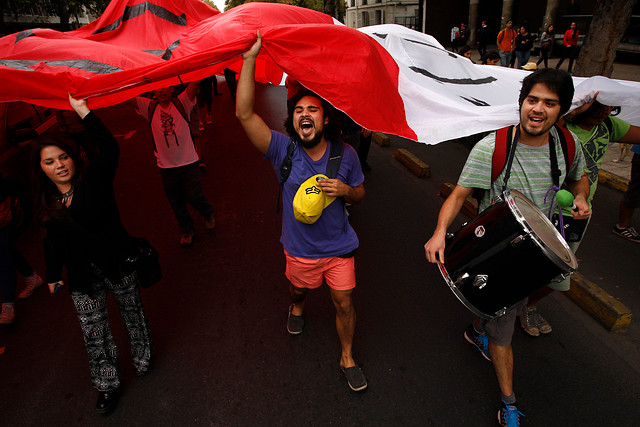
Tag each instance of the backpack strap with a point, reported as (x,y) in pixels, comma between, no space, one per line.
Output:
(504,139)
(285,170)
(175,101)
(336,151)
(153,105)
(568,145)
(503,142)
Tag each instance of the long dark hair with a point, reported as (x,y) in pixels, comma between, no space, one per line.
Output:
(595,110)
(47,205)
(331,129)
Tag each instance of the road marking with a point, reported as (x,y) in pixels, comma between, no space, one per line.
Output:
(126,135)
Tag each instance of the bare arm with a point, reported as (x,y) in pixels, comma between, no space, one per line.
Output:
(79,106)
(434,248)
(192,90)
(632,136)
(337,188)
(257,130)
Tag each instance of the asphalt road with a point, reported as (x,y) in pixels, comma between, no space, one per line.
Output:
(224,357)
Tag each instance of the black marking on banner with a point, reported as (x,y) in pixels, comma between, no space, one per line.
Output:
(433,47)
(168,52)
(476,102)
(384,36)
(23,35)
(80,64)
(465,81)
(137,10)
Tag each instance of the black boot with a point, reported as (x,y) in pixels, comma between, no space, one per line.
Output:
(107,400)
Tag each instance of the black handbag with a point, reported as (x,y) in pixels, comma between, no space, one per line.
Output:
(146,261)
(573,228)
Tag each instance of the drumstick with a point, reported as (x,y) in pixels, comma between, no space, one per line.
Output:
(565,200)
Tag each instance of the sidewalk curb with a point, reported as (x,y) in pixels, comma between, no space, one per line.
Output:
(612,180)
(414,164)
(611,313)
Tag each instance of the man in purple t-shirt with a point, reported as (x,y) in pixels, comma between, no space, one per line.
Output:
(323,249)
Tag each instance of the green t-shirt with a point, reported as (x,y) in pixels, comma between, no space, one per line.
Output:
(530,171)
(594,144)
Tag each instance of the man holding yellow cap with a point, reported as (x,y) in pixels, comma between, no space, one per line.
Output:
(319,243)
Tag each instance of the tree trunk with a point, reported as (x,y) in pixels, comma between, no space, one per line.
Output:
(610,20)
(330,8)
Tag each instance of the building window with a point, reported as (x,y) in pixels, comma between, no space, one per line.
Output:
(379,18)
(365,19)
(364,2)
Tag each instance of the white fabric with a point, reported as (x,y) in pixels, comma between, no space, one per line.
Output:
(453,97)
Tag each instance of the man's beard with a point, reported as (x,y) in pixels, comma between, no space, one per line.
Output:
(312,142)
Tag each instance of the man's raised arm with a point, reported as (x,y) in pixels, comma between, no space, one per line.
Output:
(257,130)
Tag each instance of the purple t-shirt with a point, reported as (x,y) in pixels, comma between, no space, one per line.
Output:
(331,235)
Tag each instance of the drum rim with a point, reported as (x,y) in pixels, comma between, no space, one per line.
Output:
(461,297)
(555,258)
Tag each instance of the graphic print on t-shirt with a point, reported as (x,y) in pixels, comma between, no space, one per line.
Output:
(168,128)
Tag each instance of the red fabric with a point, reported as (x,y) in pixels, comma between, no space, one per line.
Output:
(569,39)
(343,65)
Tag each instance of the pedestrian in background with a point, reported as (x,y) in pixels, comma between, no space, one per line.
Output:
(506,43)
(11,220)
(570,45)
(483,40)
(176,154)
(524,43)
(546,46)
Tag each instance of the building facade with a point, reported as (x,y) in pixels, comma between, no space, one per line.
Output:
(361,13)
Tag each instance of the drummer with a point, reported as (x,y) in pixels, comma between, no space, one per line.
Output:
(545,96)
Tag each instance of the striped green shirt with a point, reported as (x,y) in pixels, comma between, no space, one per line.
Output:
(530,171)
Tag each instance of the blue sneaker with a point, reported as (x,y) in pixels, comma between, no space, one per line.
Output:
(481,341)
(508,415)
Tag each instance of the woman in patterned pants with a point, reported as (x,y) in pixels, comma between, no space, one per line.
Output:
(76,204)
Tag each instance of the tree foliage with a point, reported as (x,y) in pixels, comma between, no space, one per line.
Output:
(335,8)
(64,9)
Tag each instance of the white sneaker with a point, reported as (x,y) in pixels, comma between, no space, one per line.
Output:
(32,283)
(8,313)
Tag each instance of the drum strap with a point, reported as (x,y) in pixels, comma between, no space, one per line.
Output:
(553,158)
(511,153)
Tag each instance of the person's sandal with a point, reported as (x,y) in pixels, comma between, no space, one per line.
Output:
(355,378)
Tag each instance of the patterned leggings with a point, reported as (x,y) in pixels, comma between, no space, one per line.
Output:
(94,321)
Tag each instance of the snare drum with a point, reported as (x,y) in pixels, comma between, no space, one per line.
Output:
(503,255)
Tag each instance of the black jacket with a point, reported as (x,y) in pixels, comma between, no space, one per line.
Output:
(90,230)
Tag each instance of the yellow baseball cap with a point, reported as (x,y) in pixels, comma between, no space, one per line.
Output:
(310,200)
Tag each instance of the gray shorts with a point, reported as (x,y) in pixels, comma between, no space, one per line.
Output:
(500,329)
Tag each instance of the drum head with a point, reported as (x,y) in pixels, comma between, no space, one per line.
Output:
(545,233)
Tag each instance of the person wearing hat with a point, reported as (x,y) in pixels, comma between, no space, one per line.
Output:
(319,243)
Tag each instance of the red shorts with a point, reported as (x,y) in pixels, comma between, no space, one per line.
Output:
(339,273)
